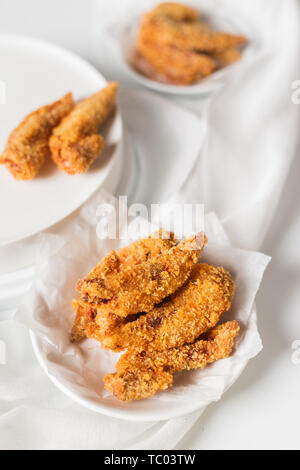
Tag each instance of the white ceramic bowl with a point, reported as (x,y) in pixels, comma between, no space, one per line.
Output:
(125,35)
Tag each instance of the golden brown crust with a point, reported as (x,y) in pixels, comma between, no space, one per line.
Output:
(228,56)
(137,384)
(188,313)
(138,288)
(176,11)
(84,324)
(177,47)
(140,375)
(84,314)
(146,248)
(27,146)
(133,254)
(179,67)
(179,334)
(197,35)
(75,143)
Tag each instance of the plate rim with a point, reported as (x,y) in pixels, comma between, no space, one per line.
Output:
(107,410)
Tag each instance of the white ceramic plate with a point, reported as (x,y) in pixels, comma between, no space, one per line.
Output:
(79,370)
(37,73)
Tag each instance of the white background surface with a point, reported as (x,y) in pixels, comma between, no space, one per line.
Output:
(262,409)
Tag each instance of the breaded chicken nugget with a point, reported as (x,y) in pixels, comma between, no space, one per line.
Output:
(182,318)
(75,143)
(138,288)
(142,374)
(133,254)
(27,146)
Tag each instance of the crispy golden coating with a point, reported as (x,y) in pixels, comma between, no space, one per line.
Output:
(76,143)
(189,312)
(176,11)
(27,146)
(84,314)
(138,288)
(175,334)
(142,374)
(177,47)
(227,57)
(146,248)
(177,66)
(138,383)
(84,323)
(137,252)
(195,35)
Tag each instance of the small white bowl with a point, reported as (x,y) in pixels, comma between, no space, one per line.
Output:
(126,36)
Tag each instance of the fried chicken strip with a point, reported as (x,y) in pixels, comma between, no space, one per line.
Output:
(133,254)
(140,375)
(27,146)
(195,35)
(138,288)
(76,143)
(176,11)
(180,67)
(182,318)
